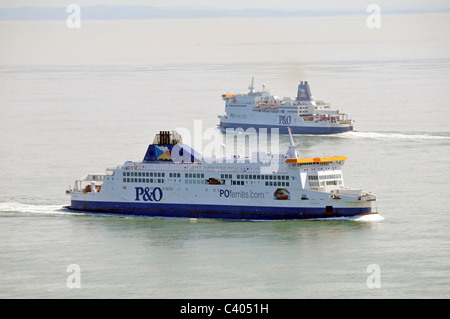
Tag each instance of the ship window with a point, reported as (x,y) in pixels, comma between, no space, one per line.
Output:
(203,175)
(267,183)
(287,183)
(258,176)
(162,174)
(124,174)
(238,176)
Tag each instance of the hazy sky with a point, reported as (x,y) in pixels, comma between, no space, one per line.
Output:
(244,4)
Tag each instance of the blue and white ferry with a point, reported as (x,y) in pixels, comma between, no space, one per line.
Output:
(175,181)
(303,114)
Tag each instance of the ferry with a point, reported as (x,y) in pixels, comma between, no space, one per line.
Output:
(173,180)
(302,114)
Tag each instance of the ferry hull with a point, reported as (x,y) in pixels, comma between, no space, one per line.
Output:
(217,211)
(316,130)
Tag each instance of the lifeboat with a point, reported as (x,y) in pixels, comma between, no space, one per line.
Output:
(214,181)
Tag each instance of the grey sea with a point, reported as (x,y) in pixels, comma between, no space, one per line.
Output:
(74,101)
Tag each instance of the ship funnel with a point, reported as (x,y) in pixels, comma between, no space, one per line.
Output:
(304,92)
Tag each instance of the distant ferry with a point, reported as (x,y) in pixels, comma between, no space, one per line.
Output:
(302,114)
(175,181)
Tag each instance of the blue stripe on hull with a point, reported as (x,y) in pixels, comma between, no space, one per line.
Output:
(215,211)
(294,129)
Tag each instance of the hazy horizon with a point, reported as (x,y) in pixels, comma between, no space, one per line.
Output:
(119,9)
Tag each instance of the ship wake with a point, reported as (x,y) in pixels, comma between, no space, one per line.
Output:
(426,137)
(15,207)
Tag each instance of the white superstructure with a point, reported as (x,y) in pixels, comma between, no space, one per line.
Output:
(168,184)
(302,114)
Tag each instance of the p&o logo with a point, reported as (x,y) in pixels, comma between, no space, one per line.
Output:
(286,120)
(148,195)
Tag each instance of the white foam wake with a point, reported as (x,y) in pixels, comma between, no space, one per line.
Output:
(387,136)
(369,218)
(11,207)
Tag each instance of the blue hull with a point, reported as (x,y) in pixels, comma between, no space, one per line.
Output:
(294,129)
(217,211)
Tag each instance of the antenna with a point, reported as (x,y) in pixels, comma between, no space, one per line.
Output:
(290,137)
(291,152)
(251,87)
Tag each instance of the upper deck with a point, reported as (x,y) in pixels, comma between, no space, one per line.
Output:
(304,105)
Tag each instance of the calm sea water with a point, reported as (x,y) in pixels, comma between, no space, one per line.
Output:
(74,101)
